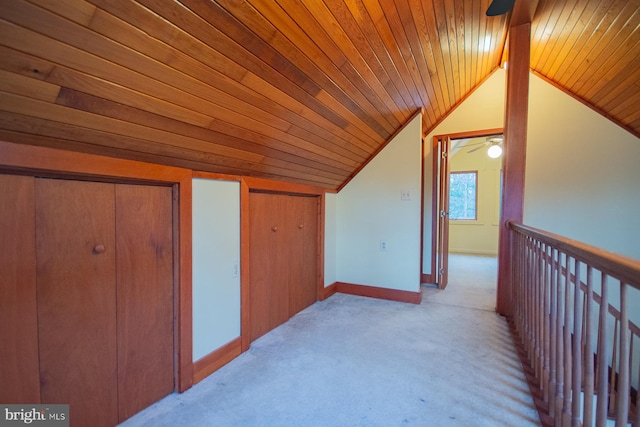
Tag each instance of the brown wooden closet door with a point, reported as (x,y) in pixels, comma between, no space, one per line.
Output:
(308,286)
(75,241)
(145,296)
(283,258)
(19,367)
(259,265)
(269,299)
(302,253)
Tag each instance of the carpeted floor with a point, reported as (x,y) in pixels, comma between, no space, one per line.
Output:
(355,361)
(472,283)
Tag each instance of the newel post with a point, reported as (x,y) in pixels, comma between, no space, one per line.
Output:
(515,135)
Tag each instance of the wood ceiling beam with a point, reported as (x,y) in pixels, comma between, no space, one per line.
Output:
(523,12)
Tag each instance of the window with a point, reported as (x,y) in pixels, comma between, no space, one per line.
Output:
(463,195)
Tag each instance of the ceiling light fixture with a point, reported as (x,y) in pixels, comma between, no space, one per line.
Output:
(494,151)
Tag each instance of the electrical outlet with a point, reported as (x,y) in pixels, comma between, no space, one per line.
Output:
(405,194)
(383,246)
(236,269)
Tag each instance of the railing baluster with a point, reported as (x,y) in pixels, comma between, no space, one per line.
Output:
(613,383)
(531,306)
(631,402)
(537,311)
(523,296)
(576,360)
(525,292)
(515,256)
(529,319)
(515,261)
(622,408)
(588,352)
(546,310)
(554,333)
(560,343)
(570,350)
(603,344)
(566,404)
(521,285)
(636,423)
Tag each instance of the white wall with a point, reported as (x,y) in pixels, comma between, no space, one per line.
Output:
(583,173)
(216,255)
(369,210)
(483,109)
(582,178)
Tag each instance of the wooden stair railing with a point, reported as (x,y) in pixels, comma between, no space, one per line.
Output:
(571,307)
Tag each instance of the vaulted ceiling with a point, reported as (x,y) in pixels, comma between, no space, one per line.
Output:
(298,90)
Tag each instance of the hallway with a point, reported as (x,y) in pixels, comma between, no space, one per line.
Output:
(472,283)
(355,361)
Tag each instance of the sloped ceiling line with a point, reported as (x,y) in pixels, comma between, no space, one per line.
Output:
(296,90)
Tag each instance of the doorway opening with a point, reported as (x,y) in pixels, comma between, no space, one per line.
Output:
(464,218)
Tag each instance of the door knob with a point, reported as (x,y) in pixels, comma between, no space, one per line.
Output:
(274,228)
(300,226)
(98,249)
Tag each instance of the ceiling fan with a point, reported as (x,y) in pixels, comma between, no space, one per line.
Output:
(500,7)
(491,141)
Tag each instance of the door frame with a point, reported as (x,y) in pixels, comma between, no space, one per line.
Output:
(435,170)
(35,160)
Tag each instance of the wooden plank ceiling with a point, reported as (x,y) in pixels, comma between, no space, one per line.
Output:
(297,90)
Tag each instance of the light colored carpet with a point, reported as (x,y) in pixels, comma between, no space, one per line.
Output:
(355,361)
(472,283)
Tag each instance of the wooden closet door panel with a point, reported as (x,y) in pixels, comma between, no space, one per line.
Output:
(144,260)
(303,286)
(280,255)
(294,253)
(19,367)
(260,236)
(75,249)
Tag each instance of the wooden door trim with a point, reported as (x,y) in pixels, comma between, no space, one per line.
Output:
(27,159)
(245,270)
(320,248)
(424,278)
(262,184)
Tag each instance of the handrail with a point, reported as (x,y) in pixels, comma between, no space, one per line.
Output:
(622,267)
(614,311)
(569,342)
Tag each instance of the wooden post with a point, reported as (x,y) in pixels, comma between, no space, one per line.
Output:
(515,132)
